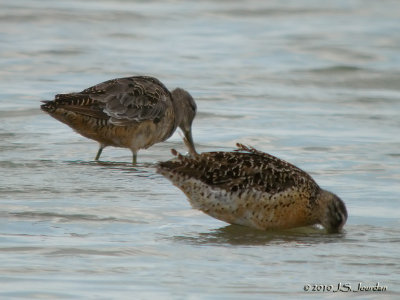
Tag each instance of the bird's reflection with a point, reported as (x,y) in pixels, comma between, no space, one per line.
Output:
(241,235)
(140,169)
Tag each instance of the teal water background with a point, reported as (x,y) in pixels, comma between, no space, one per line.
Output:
(316,83)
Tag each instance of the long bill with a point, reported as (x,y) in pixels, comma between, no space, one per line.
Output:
(188,140)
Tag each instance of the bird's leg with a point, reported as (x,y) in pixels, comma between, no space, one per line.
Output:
(134,158)
(99,152)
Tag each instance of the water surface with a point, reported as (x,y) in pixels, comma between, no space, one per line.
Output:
(314,83)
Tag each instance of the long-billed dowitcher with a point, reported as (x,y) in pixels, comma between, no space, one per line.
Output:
(255,189)
(132,112)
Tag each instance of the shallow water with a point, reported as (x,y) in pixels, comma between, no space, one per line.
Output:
(317,84)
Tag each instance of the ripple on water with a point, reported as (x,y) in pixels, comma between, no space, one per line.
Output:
(313,82)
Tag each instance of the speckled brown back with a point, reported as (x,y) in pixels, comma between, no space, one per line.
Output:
(243,169)
(121,101)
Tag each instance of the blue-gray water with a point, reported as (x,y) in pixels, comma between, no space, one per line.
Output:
(314,82)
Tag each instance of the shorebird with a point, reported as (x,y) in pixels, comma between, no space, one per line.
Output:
(252,188)
(132,112)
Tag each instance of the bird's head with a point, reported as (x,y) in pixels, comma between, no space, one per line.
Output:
(185,111)
(334,212)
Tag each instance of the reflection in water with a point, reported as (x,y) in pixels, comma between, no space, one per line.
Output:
(244,236)
(140,169)
(313,82)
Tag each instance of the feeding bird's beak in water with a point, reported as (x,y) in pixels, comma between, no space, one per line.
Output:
(184,103)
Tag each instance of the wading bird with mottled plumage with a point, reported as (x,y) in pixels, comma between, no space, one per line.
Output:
(255,189)
(132,112)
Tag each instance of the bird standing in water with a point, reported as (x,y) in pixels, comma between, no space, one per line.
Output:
(255,189)
(132,112)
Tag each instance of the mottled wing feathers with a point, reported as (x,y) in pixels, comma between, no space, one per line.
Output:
(148,83)
(122,100)
(79,103)
(243,169)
